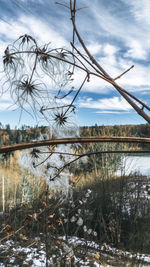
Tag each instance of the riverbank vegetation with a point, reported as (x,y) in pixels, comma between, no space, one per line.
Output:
(110,210)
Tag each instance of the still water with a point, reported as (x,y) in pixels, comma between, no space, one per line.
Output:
(131,164)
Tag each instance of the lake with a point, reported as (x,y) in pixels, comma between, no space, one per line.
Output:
(133,164)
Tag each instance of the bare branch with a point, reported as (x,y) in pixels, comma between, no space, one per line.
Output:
(119,139)
(78,9)
(95,153)
(101,152)
(109,79)
(57,3)
(64,106)
(86,59)
(118,77)
(71,104)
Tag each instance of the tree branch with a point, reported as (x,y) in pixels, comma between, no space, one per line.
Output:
(118,77)
(120,139)
(103,72)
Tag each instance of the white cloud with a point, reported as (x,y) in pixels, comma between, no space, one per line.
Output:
(94,48)
(4,106)
(111,112)
(37,28)
(43,32)
(140,10)
(133,36)
(137,79)
(109,50)
(132,33)
(6,102)
(136,50)
(13,30)
(114,103)
(112,63)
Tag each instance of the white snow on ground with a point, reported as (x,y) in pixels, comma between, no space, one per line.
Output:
(36,257)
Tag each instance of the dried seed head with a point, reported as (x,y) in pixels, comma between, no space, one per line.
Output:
(7,58)
(34,153)
(60,118)
(26,39)
(27,86)
(43,55)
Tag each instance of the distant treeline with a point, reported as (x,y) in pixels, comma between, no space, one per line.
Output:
(10,136)
(141,130)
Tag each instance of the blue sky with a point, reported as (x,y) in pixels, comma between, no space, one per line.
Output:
(116,33)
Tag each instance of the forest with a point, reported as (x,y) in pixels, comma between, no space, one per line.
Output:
(26,133)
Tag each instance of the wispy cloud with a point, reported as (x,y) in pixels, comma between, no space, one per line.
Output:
(108,54)
(125,23)
(115,32)
(114,103)
(136,51)
(30,25)
(94,48)
(111,112)
(140,10)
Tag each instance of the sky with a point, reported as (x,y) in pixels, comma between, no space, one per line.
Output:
(115,32)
